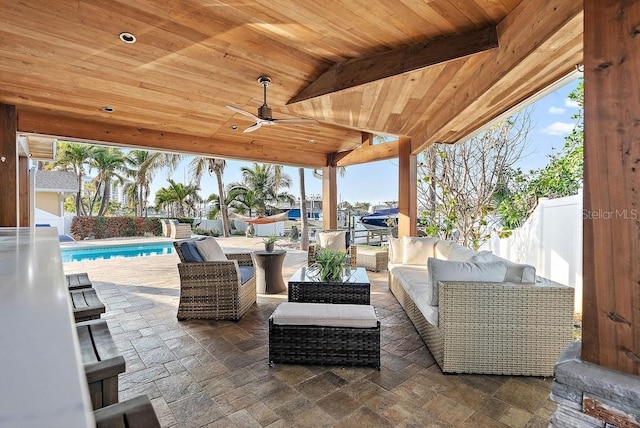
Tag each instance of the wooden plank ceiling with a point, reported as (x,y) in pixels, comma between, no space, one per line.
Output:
(433,71)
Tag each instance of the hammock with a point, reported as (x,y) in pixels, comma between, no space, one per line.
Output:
(261,219)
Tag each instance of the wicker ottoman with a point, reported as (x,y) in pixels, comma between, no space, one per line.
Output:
(324,334)
(373,260)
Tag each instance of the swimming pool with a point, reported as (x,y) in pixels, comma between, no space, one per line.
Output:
(115,251)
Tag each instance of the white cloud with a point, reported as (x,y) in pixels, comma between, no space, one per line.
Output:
(556,110)
(571,103)
(558,128)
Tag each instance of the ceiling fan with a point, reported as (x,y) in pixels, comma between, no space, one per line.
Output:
(265,116)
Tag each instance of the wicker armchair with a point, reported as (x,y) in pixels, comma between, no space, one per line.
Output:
(351,249)
(179,230)
(213,289)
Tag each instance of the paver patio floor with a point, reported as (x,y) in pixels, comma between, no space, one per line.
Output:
(215,373)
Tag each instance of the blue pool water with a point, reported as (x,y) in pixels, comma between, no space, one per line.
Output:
(115,251)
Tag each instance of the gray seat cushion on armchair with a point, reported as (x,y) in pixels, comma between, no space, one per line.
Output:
(246,273)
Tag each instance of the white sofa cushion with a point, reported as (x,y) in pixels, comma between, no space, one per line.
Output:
(444,270)
(483,257)
(416,250)
(415,282)
(334,240)
(516,272)
(395,250)
(321,314)
(442,249)
(210,250)
(458,253)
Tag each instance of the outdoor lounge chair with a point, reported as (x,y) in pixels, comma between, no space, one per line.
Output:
(335,239)
(218,290)
(166,227)
(179,230)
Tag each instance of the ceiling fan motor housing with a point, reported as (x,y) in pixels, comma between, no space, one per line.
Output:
(264,112)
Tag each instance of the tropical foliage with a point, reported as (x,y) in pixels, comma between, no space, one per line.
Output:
(134,170)
(74,157)
(110,165)
(260,187)
(216,166)
(177,198)
(143,165)
(562,176)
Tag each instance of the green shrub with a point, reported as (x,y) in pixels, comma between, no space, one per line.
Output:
(206,232)
(114,227)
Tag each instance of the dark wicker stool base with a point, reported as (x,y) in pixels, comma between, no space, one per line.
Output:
(342,346)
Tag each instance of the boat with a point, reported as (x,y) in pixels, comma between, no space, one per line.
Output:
(385,218)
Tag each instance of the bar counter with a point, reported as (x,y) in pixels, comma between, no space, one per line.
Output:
(42,381)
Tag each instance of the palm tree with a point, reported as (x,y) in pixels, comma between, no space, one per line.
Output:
(242,199)
(74,157)
(143,165)
(109,162)
(177,195)
(261,184)
(216,166)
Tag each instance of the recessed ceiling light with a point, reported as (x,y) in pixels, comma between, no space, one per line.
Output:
(108,109)
(312,141)
(234,127)
(127,37)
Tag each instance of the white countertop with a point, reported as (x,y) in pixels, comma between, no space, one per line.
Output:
(42,381)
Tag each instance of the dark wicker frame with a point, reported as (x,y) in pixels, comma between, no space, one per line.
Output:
(212,290)
(341,346)
(329,292)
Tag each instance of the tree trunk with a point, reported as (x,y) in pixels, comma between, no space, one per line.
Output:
(79,197)
(223,205)
(106,196)
(304,223)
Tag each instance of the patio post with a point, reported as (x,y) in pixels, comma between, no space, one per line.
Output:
(407,189)
(24,191)
(611,216)
(596,381)
(329,198)
(8,166)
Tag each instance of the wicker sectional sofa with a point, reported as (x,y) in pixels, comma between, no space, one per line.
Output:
(478,313)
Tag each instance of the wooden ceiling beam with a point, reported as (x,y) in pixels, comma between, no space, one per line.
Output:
(37,122)
(366,153)
(543,22)
(359,71)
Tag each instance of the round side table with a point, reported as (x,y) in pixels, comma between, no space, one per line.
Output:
(269,271)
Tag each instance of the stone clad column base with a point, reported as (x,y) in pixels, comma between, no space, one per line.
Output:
(588,395)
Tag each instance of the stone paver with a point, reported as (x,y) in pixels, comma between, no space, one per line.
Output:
(215,373)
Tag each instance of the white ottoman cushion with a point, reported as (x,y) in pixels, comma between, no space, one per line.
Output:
(323,314)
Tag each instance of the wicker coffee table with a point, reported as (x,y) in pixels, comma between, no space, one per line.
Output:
(355,290)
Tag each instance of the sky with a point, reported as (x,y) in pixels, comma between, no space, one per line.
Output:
(377,182)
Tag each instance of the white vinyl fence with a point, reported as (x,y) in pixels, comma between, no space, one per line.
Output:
(550,240)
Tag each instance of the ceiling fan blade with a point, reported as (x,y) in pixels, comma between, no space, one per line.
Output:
(253,127)
(246,113)
(295,121)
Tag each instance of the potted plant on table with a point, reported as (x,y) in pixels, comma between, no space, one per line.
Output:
(269,242)
(330,265)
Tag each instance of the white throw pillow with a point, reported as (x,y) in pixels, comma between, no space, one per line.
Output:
(442,249)
(210,250)
(459,253)
(416,250)
(483,257)
(516,272)
(395,250)
(335,241)
(443,270)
